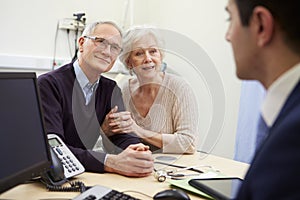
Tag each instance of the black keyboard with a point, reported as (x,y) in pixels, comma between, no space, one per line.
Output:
(98,192)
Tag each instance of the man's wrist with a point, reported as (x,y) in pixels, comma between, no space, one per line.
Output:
(109,161)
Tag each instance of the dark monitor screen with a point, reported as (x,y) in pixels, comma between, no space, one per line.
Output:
(24,152)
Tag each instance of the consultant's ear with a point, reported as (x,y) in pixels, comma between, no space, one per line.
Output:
(262,22)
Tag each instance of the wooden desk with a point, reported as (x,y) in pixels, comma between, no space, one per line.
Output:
(148,185)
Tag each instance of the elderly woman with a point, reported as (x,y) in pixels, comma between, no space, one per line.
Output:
(162,107)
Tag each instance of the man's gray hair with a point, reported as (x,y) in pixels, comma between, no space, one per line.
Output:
(89,29)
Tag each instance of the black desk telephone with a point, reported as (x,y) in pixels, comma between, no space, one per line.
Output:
(64,165)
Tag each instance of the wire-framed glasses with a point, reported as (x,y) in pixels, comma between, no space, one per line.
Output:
(103,44)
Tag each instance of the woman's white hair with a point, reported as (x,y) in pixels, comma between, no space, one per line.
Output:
(136,33)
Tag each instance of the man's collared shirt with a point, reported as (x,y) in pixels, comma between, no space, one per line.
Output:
(87,88)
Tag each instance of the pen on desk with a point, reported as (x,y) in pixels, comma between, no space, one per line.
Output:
(181,176)
(192,168)
(179,166)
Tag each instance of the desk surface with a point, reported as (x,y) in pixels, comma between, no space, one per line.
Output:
(147,185)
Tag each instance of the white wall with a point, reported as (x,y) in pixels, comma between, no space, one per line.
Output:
(28,32)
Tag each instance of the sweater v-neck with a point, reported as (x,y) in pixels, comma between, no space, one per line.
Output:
(157,98)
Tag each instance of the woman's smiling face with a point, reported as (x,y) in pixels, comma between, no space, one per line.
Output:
(145,58)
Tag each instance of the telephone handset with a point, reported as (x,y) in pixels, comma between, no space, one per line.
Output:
(55,176)
(65,164)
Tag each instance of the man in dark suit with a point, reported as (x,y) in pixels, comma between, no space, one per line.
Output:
(265,38)
(78,103)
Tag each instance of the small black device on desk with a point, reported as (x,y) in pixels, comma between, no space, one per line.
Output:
(171,194)
(218,188)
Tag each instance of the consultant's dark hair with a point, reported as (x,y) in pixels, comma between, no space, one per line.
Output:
(286,13)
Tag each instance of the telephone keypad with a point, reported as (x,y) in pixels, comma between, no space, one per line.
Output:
(68,163)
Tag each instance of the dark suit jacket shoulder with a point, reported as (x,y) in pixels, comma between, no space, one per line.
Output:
(275,170)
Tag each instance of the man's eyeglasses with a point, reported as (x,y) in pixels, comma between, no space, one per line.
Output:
(103,44)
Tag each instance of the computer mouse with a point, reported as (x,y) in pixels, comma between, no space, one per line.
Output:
(171,194)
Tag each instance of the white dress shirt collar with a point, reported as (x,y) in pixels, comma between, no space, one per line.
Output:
(80,76)
(278,93)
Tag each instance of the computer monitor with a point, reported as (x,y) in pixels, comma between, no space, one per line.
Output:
(24,152)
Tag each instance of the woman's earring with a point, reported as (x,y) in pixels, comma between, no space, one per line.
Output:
(131,71)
